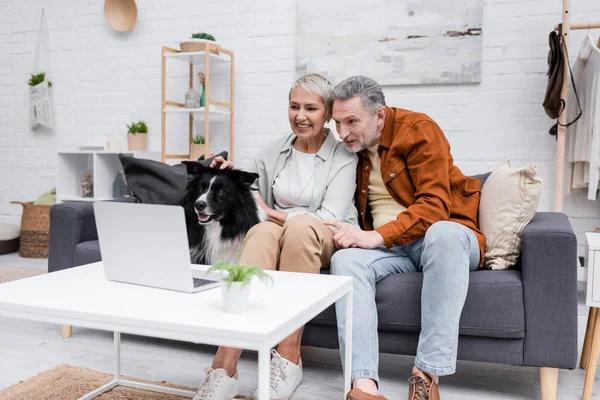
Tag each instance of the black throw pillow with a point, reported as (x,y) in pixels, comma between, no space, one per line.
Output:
(154,182)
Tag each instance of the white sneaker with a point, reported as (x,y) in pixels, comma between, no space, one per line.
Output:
(217,385)
(285,378)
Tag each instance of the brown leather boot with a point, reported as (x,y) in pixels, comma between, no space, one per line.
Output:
(357,394)
(422,387)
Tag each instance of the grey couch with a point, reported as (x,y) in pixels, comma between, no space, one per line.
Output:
(525,316)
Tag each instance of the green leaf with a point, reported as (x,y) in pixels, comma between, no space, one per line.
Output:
(37,79)
(240,273)
(198,139)
(203,35)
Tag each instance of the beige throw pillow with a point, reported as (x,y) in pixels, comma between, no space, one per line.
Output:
(509,200)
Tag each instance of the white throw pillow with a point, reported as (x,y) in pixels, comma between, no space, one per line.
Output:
(509,200)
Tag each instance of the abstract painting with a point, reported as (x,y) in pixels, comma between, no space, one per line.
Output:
(400,42)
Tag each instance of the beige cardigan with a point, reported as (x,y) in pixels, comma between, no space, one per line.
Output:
(334,177)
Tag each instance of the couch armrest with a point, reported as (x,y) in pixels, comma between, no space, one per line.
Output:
(549,270)
(70,224)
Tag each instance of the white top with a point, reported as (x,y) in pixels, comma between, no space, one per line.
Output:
(293,187)
(83,297)
(584,135)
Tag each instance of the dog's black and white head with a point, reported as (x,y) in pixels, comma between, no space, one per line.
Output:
(220,209)
(218,195)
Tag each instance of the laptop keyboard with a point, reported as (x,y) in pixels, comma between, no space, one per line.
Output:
(201,282)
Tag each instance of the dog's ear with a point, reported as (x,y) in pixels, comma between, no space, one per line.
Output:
(193,167)
(246,179)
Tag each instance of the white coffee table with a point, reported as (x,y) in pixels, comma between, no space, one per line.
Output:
(82,297)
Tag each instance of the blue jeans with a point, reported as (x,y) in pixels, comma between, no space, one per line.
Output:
(445,256)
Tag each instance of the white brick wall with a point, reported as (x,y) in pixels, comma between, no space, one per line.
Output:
(103,80)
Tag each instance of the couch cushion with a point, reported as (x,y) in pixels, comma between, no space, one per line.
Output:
(493,308)
(154,182)
(86,253)
(509,201)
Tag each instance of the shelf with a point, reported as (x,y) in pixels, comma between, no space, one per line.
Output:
(79,198)
(215,114)
(104,166)
(155,155)
(198,57)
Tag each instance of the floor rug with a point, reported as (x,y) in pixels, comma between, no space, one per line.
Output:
(12,274)
(66,382)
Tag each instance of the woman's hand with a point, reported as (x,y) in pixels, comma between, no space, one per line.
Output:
(221,163)
(351,236)
(261,203)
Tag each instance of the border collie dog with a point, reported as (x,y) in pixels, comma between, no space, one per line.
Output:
(219,209)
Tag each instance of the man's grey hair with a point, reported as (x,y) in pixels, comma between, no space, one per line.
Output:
(316,84)
(370,92)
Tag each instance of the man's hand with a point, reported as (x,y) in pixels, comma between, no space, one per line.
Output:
(220,163)
(351,236)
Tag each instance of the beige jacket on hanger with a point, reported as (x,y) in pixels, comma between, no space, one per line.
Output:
(583,137)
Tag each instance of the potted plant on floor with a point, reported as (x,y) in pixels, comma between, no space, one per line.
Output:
(137,136)
(235,286)
(197,148)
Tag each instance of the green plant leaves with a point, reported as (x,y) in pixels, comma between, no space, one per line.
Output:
(139,127)
(203,35)
(240,273)
(198,139)
(37,79)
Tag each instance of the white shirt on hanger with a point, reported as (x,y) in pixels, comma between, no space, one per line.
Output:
(583,137)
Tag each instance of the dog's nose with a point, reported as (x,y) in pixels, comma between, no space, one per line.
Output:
(200,205)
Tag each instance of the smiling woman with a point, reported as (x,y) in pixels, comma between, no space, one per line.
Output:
(304,179)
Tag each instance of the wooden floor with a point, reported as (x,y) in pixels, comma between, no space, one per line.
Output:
(28,348)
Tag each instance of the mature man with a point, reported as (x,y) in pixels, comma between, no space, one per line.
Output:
(419,213)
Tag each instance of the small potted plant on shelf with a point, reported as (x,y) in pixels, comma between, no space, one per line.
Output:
(197,148)
(197,43)
(137,136)
(235,285)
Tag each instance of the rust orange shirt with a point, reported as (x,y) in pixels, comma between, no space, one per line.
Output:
(419,173)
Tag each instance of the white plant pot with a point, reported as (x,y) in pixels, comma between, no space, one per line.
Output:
(235,296)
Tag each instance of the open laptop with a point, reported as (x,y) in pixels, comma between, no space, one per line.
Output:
(147,244)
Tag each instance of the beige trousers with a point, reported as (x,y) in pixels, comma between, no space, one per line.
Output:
(302,244)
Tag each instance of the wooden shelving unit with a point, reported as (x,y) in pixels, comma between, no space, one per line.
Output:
(213,111)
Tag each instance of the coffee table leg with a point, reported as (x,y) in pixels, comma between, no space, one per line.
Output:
(118,381)
(348,349)
(264,359)
(117,337)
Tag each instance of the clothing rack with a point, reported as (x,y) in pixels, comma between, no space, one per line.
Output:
(563,29)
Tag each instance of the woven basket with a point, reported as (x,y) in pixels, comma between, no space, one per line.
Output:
(35,230)
(198,46)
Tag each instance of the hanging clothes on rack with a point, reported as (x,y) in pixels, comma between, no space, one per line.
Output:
(583,137)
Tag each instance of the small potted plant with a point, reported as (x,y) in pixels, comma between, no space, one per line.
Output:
(40,108)
(197,148)
(197,43)
(137,136)
(235,286)
(39,78)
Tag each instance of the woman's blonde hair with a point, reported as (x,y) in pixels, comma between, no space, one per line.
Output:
(317,84)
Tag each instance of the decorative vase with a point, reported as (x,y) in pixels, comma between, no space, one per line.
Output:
(203,83)
(120,186)
(137,142)
(196,151)
(192,99)
(236,296)
(87,185)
